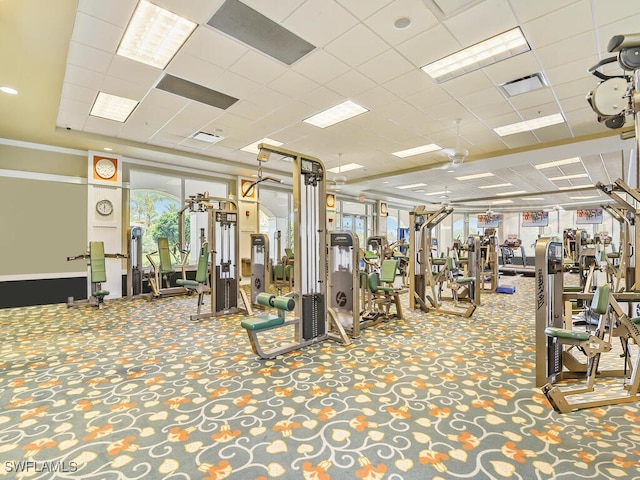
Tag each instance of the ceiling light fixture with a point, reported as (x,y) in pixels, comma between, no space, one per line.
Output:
(9,90)
(113,107)
(346,168)
(487,52)
(154,35)
(207,137)
(497,185)
(576,187)
(529,125)
(569,177)
(412,185)
(337,114)
(436,193)
(586,197)
(253,147)
(515,192)
(499,202)
(558,163)
(431,147)
(474,176)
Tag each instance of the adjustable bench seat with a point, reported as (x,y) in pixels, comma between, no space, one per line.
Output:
(262,322)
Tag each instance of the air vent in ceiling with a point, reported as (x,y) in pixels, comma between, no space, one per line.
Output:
(247,25)
(207,137)
(444,9)
(524,84)
(193,91)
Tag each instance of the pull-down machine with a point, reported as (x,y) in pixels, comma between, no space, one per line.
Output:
(310,320)
(222,238)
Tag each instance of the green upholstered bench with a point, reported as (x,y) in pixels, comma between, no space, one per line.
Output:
(566,334)
(262,321)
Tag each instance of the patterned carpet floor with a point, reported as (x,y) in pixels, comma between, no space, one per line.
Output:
(136,390)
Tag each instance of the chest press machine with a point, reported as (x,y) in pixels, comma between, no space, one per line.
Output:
(97,274)
(305,309)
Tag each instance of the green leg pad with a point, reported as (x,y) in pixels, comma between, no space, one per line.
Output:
(564,333)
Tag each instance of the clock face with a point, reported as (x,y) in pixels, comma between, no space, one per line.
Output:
(104,207)
(105,168)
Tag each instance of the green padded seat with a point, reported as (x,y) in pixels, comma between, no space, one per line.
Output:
(187,283)
(439,261)
(635,320)
(100,293)
(262,321)
(564,333)
(464,280)
(573,288)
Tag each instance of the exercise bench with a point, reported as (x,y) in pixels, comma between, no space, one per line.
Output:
(265,322)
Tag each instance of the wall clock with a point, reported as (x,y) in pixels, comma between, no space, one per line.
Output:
(105,168)
(104,207)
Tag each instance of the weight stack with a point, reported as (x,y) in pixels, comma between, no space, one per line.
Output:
(313,318)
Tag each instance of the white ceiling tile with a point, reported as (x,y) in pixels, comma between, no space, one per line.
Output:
(468,31)
(96,33)
(321,66)
(410,83)
(102,126)
(293,84)
(382,22)
(429,46)
(578,46)
(276,11)
(460,86)
(425,99)
(195,70)
(213,47)
(553,133)
(83,77)
(320,22)
(573,103)
(235,85)
(357,46)
(363,10)
(88,57)
(252,62)
(625,25)
(571,71)
(575,87)
(566,22)
(527,10)
(321,98)
(518,140)
(374,97)
(104,11)
(385,67)
(604,14)
(351,84)
(134,72)
(122,88)
(492,110)
(77,93)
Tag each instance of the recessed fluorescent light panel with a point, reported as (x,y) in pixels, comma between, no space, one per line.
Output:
(487,52)
(516,192)
(412,185)
(345,168)
(558,163)
(586,197)
(207,137)
(497,185)
(435,193)
(474,176)
(524,84)
(569,177)
(9,90)
(499,202)
(113,107)
(336,114)
(529,125)
(253,147)
(575,187)
(431,147)
(154,35)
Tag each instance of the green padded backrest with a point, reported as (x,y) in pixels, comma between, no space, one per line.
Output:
(97,263)
(451,264)
(368,254)
(373,282)
(388,270)
(203,264)
(603,256)
(288,252)
(165,255)
(600,302)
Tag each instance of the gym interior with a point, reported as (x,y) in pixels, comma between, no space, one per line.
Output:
(319,239)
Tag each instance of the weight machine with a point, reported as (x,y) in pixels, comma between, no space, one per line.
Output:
(97,274)
(134,262)
(260,265)
(556,339)
(223,241)
(310,320)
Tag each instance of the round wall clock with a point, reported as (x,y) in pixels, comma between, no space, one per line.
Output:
(105,168)
(104,207)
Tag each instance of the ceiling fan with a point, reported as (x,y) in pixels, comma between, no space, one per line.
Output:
(456,155)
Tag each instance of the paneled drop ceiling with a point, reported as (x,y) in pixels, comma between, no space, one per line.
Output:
(60,55)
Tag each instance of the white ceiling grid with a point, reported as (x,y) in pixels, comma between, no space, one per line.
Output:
(360,55)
